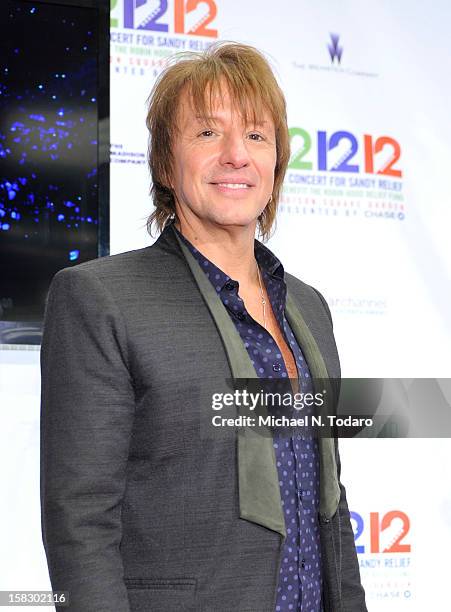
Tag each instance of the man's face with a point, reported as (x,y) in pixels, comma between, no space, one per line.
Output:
(223,171)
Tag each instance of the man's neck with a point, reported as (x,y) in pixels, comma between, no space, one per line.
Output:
(230,249)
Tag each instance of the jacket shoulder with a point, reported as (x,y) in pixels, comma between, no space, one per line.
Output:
(148,262)
(104,266)
(317,316)
(307,295)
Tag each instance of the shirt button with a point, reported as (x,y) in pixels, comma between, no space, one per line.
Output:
(303,563)
(241,316)
(229,286)
(276,367)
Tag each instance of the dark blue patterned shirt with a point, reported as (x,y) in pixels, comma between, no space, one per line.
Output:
(297,459)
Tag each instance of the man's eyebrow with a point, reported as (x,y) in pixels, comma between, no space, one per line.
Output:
(215,119)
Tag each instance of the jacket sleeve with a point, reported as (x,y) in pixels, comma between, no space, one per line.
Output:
(87,409)
(352,592)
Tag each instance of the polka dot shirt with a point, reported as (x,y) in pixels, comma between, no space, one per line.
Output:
(297,459)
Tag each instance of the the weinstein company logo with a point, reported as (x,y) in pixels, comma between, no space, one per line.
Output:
(335,51)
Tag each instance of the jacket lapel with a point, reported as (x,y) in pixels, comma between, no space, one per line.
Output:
(329,486)
(258,480)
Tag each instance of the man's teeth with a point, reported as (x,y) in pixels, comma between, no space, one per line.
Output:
(234,185)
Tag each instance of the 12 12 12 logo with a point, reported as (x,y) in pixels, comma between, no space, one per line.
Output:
(386,533)
(154,15)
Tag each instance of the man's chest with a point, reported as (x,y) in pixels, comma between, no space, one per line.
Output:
(266,319)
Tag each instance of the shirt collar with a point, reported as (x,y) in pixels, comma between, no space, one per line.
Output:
(266,259)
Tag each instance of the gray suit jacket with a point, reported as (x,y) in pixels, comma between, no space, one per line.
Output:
(143,508)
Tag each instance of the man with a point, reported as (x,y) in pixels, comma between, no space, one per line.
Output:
(144,508)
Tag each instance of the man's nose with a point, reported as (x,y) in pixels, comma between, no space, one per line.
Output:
(234,151)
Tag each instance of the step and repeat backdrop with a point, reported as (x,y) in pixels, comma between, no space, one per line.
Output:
(364,216)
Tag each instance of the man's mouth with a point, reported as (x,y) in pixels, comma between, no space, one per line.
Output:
(233,185)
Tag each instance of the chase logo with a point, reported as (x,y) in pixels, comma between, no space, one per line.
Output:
(185,16)
(335,50)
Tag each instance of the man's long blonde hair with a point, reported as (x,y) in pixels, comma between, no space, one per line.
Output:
(253,89)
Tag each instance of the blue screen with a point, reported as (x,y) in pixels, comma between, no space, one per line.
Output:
(48,149)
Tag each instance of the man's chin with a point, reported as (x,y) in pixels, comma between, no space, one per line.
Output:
(237,221)
(238,217)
